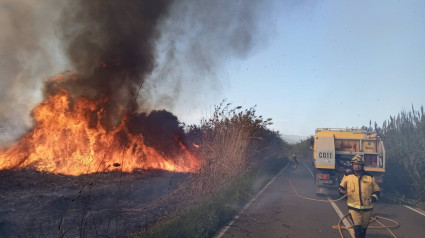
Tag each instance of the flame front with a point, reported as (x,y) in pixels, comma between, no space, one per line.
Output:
(69,139)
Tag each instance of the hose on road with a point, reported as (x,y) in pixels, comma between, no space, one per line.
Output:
(372,219)
(341,227)
(312,199)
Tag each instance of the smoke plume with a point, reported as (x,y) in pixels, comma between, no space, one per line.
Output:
(110,45)
(111,49)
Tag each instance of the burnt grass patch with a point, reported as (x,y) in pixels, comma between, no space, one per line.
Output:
(38,204)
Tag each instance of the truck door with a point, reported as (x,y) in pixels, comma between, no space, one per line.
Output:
(325,153)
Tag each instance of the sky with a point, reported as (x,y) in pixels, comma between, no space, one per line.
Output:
(306,64)
(330,64)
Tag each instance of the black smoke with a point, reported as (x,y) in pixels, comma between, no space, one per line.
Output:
(110,45)
(160,129)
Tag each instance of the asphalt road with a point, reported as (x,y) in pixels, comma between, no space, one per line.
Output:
(279,212)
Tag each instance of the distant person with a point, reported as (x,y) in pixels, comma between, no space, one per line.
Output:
(362,191)
(294,157)
(294,161)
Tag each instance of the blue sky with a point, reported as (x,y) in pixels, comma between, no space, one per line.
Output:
(330,64)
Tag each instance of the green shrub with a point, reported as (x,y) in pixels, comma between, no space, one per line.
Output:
(404,140)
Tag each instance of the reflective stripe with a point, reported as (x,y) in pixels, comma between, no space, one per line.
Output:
(375,196)
(375,169)
(359,207)
(324,167)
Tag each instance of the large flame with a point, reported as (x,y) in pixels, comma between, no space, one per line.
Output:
(68,139)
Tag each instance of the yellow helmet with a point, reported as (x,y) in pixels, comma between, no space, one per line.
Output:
(357,159)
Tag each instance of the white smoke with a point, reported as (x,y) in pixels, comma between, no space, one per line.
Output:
(29,53)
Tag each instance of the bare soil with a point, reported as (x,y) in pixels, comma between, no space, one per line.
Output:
(36,204)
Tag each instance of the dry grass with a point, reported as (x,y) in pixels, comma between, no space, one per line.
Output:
(231,141)
(232,144)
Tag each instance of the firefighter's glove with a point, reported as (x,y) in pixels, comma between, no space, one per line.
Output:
(373,199)
(368,201)
(342,191)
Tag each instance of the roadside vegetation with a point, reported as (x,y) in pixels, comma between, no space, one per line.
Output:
(303,149)
(239,155)
(404,140)
(207,217)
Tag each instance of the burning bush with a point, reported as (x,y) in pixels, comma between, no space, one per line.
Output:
(161,129)
(70,138)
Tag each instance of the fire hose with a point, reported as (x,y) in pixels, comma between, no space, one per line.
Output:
(340,227)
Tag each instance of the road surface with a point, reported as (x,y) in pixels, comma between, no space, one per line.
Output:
(279,212)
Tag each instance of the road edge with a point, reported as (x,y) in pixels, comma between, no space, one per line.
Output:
(236,217)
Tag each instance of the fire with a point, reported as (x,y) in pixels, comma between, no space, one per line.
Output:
(69,139)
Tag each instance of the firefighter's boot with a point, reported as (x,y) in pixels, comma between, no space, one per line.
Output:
(358,231)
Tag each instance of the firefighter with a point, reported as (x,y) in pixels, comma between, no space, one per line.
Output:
(362,192)
(295,161)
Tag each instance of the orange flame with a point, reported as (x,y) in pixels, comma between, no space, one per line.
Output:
(66,140)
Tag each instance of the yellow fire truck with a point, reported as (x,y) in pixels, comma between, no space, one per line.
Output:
(333,150)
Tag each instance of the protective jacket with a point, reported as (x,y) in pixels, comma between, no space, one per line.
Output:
(359,190)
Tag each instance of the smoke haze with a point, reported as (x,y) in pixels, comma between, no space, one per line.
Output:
(197,40)
(29,52)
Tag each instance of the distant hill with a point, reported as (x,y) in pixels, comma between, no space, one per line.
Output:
(293,139)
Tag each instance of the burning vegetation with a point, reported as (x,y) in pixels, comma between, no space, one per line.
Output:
(88,121)
(69,138)
(97,117)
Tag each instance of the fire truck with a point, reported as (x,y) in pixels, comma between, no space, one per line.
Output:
(333,150)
